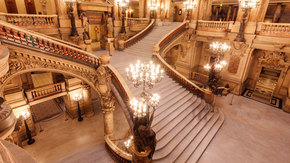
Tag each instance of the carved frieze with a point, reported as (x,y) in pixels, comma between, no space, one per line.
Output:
(238,49)
(274,60)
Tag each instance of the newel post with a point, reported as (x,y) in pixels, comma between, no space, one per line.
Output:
(107,99)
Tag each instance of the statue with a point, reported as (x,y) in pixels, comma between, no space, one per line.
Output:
(110,26)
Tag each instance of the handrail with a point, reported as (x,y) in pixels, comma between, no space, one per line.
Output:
(37,93)
(139,35)
(120,154)
(28,15)
(138,19)
(32,15)
(121,83)
(19,35)
(220,26)
(158,49)
(274,29)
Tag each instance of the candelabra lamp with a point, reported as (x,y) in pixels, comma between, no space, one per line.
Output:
(123,4)
(246,6)
(77,98)
(153,7)
(25,115)
(145,75)
(216,66)
(188,6)
(70,4)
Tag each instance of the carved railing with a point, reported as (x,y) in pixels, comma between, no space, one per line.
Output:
(218,26)
(157,52)
(139,35)
(11,33)
(38,93)
(119,154)
(274,29)
(48,21)
(200,78)
(30,20)
(137,24)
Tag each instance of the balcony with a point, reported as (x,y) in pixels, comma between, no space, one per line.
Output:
(274,29)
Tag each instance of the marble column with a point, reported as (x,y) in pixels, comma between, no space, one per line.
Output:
(229,13)
(277,13)
(107,99)
(88,100)
(141,8)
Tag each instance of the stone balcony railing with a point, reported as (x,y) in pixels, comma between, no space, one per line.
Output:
(274,29)
(30,20)
(137,24)
(218,26)
(45,91)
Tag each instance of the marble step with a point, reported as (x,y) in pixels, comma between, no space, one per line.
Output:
(191,147)
(186,124)
(162,129)
(175,115)
(206,141)
(170,107)
(172,98)
(176,146)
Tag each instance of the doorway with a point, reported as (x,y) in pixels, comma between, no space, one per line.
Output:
(11,6)
(30,6)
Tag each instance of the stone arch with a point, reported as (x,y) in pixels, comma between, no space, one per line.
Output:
(19,64)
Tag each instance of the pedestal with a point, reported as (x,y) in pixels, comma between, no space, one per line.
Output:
(88,100)
(96,46)
(88,44)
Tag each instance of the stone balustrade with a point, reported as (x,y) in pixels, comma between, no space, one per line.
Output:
(201,79)
(158,50)
(138,36)
(30,20)
(218,26)
(137,24)
(274,29)
(45,91)
(12,33)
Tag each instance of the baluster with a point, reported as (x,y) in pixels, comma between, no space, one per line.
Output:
(41,45)
(48,21)
(60,49)
(22,38)
(46,46)
(3,32)
(51,47)
(16,36)
(56,49)
(35,41)
(9,34)
(65,51)
(69,52)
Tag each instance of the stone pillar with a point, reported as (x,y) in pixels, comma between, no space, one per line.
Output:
(205,14)
(115,10)
(229,13)
(142,8)
(278,13)
(107,99)
(88,100)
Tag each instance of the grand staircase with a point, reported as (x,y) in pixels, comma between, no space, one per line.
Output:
(183,122)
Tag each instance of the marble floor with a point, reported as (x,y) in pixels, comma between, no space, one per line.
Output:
(75,142)
(252,132)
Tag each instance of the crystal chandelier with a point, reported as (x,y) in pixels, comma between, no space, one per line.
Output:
(219,48)
(249,4)
(143,110)
(144,74)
